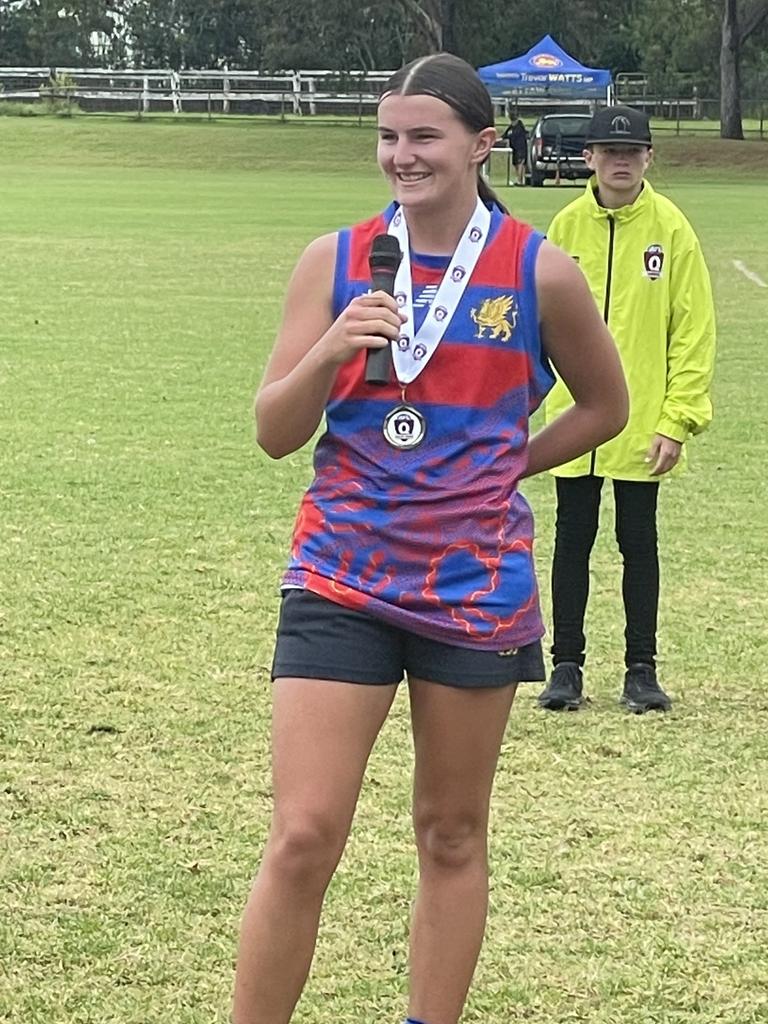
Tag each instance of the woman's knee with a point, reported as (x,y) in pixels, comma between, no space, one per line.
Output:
(452,840)
(305,849)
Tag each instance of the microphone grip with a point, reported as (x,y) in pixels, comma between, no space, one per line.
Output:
(378,361)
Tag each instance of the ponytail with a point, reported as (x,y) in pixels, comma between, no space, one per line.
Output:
(487,195)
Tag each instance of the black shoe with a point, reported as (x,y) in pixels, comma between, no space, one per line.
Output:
(642,691)
(564,689)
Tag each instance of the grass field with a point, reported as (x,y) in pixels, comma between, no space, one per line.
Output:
(141,542)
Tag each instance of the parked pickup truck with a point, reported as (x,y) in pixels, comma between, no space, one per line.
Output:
(555,148)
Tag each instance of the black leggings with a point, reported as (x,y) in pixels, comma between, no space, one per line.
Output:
(578,506)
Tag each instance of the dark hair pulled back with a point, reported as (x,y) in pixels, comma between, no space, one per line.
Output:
(450,79)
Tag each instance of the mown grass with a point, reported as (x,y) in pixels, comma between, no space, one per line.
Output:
(142,539)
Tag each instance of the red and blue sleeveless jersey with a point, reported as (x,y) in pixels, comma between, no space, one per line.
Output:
(435,539)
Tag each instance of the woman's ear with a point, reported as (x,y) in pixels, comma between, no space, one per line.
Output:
(483,144)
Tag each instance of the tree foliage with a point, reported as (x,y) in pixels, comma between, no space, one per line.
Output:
(714,41)
(195,33)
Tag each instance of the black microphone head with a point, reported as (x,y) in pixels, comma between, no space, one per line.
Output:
(385,253)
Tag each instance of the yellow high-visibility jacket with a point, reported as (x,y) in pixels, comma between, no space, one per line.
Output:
(645,268)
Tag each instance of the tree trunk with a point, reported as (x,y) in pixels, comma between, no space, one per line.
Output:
(448,19)
(427,14)
(730,84)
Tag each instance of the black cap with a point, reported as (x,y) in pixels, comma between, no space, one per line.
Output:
(620,125)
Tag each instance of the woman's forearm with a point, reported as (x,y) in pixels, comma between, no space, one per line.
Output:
(576,431)
(288,411)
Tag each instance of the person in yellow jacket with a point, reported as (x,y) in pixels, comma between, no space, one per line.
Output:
(646,271)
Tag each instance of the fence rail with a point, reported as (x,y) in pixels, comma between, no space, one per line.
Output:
(297,92)
(314,93)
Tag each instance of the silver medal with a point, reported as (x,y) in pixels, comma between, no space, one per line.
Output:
(404,427)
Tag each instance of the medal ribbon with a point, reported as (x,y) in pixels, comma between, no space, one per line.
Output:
(411,353)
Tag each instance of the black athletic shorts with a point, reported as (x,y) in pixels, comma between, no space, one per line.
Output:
(318,639)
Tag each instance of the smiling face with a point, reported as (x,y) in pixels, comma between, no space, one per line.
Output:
(619,169)
(427,153)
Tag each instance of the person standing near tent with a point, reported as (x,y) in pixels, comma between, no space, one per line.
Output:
(646,270)
(412,552)
(517,139)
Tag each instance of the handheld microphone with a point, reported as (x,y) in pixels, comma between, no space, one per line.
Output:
(384,260)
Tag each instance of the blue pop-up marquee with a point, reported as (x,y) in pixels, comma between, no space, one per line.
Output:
(546,70)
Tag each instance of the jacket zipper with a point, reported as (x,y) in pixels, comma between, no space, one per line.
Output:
(606,308)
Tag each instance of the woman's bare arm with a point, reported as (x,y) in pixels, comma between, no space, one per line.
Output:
(582,351)
(311,346)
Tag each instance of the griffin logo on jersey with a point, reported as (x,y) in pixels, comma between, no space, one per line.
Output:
(499,316)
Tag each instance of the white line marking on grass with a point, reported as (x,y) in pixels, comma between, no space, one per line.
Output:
(749,273)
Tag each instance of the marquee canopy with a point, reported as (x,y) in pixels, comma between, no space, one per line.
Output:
(545,70)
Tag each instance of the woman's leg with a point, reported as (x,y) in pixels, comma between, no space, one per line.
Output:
(457,737)
(322,735)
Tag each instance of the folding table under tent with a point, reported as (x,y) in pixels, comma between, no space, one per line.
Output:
(546,71)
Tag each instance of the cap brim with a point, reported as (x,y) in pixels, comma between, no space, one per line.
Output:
(620,142)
